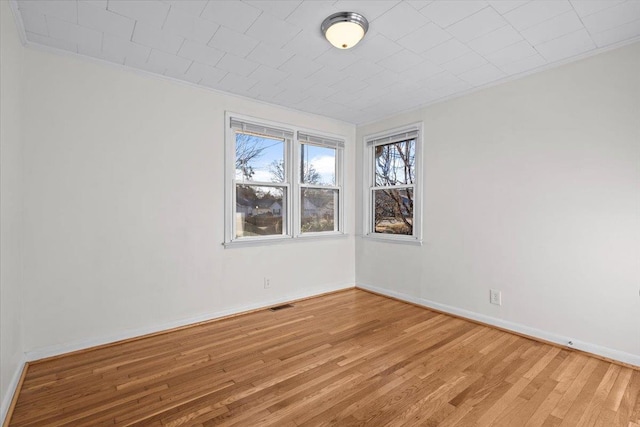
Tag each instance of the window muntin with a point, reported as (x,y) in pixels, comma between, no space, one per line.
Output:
(282,186)
(392,169)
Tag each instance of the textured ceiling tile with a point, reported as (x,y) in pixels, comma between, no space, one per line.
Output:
(555,27)
(149,12)
(376,48)
(115,47)
(297,83)
(523,65)
(34,22)
(420,71)
(144,65)
(189,26)
(300,66)
(265,90)
(425,38)
(309,43)
(464,63)
(369,9)
(477,25)
(192,7)
(235,64)
(198,72)
(618,34)
(446,51)
(48,41)
(337,59)
(483,75)
(349,85)
(401,61)
(278,8)
(613,17)
(268,55)
(103,20)
(514,52)
(234,14)
(320,91)
(566,46)
(211,75)
(495,40)
(442,80)
(384,79)
(61,9)
(97,3)
(504,6)
(156,38)
(73,33)
(326,76)
(237,84)
(290,97)
(171,63)
(535,12)
(588,7)
(273,31)
(363,69)
(445,13)
(268,75)
(200,53)
(233,42)
(401,20)
(310,14)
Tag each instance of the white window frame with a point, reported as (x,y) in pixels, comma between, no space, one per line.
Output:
(292,209)
(369,144)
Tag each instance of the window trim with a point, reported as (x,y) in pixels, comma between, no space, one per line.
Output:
(293,186)
(368,187)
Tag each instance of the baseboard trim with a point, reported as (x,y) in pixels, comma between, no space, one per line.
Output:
(54,352)
(11,398)
(610,355)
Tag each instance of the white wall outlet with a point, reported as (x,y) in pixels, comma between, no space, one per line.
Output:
(495,297)
(267,283)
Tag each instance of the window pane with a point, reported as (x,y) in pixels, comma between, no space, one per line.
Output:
(260,210)
(317,165)
(259,158)
(395,163)
(319,210)
(393,211)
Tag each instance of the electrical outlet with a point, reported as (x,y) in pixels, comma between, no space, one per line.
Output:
(267,283)
(495,297)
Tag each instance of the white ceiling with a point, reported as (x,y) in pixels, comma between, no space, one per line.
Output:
(415,53)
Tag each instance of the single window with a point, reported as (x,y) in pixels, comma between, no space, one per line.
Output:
(281,186)
(392,177)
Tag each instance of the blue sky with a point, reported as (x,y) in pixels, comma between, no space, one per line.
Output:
(322,159)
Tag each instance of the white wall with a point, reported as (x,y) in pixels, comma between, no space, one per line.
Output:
(124,202)
(11,346)
(533,188)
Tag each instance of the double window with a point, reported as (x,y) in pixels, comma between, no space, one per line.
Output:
(283,182)
(392,189)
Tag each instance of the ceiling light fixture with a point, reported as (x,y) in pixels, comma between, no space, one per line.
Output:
(344,29)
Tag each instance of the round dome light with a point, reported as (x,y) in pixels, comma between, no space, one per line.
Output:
(344,29)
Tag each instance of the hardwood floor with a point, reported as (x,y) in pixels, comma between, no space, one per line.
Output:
(349,358)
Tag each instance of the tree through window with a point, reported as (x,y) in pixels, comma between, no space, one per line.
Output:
(393,183)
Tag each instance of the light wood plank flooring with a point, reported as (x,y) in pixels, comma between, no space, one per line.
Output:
(349,358)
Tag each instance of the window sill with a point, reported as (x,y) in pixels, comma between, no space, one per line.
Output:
(392,239)
(268,241)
